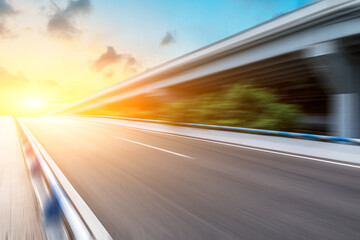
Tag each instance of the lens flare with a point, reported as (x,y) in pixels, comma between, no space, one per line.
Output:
(33,104)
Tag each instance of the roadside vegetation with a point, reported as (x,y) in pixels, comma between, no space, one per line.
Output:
(236,105)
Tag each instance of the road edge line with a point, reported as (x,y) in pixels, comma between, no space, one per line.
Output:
(90,219)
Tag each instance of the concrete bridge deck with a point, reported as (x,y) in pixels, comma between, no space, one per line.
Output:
(19,215)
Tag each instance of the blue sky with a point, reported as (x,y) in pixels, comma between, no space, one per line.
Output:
(139,26)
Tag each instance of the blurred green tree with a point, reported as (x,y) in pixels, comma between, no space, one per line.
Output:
(236,105)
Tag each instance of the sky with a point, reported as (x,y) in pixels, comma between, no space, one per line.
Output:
(54,52)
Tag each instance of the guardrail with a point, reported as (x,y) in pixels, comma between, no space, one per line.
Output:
(246,130)
(58,202)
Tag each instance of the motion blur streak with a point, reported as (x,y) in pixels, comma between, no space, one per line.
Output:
(18,213)
(223,193)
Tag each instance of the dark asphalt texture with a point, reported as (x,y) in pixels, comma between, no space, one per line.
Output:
(216,192)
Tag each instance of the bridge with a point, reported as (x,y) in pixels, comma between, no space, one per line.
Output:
(309,55)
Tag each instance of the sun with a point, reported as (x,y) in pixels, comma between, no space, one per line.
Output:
(34,103)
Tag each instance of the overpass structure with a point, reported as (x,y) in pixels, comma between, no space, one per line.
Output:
(310,55)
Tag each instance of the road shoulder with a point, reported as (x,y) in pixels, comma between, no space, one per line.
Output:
(20,216)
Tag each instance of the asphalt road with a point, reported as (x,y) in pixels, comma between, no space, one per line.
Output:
(144,185)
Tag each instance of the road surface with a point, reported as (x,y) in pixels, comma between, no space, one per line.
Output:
(144,185)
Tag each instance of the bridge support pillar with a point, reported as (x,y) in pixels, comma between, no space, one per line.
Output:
(341,77)
(345,115)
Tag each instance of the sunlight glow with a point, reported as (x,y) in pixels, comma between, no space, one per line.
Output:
(34,104)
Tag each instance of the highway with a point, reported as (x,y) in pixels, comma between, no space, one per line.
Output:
(146,185)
